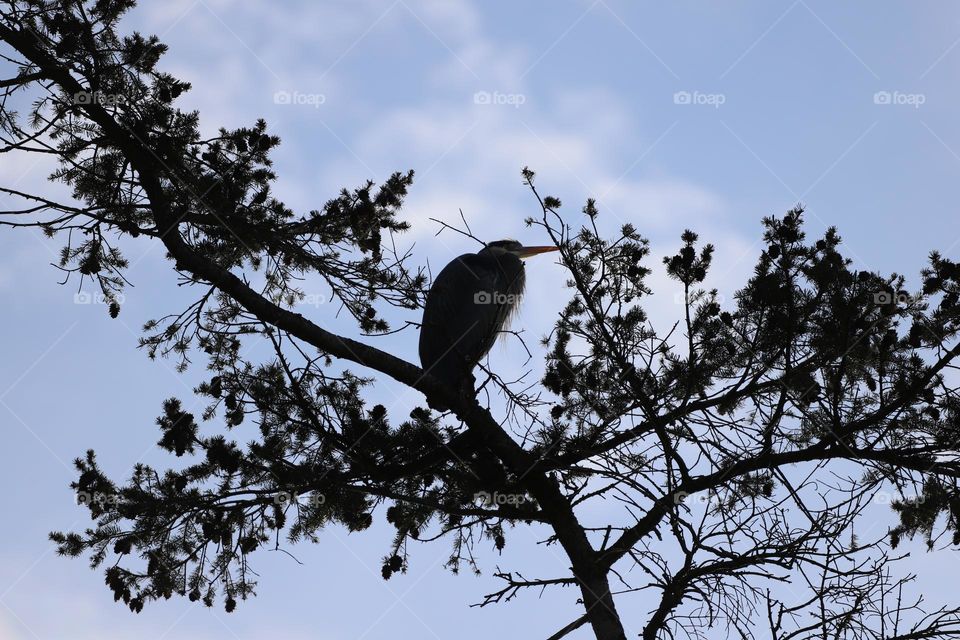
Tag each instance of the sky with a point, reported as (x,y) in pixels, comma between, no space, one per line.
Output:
(688,114)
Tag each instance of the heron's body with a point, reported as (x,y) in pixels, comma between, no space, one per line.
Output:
(469,303)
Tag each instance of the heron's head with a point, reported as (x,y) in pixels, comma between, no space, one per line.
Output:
(501,247)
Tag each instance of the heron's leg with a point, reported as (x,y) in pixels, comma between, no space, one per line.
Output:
(467,385)
(463,386)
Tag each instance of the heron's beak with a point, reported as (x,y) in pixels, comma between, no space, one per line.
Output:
(526,252)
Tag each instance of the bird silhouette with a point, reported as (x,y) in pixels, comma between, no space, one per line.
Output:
(471,300)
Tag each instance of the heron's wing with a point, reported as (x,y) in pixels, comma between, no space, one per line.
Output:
(498,281)
(461,317)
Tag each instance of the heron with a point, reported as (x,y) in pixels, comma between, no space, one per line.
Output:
(470,302)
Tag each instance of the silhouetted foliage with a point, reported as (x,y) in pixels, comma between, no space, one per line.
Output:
(790,407)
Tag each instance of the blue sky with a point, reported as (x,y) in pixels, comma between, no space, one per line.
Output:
(673,115)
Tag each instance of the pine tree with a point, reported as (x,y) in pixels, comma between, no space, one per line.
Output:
(787,409)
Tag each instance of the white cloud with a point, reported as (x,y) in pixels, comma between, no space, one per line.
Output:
(663,204)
